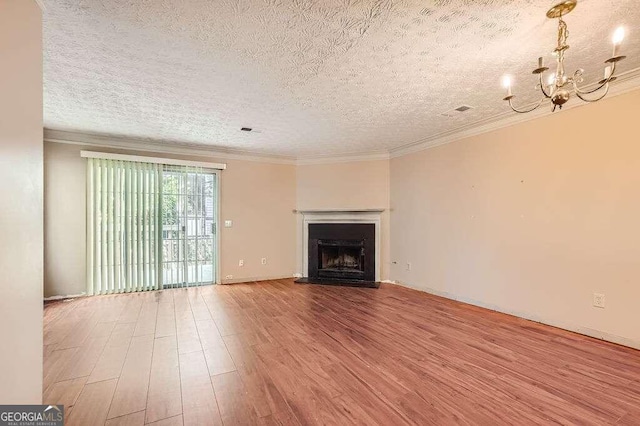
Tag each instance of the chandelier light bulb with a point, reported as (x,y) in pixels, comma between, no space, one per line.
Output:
(506,82)
(560,86)
(618,36)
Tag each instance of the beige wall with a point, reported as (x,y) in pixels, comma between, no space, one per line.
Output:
(531,219)
(64,221)
(258,197)
(353,185)
(21,195)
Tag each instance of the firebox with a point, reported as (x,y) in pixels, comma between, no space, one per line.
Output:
(341,259)
(342,251)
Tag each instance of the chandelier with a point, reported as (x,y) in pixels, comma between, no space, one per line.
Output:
(559,85)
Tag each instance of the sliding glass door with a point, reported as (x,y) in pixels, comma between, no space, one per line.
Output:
(149,226)
(189,207)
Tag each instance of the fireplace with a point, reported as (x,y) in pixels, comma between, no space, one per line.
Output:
(341,259)
(342,252)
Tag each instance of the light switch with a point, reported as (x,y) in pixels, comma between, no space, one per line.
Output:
(228,223)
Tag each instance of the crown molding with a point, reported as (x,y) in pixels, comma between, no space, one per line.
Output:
(132,144)
(626,82)
(346,158)
(168,147)
(42,6)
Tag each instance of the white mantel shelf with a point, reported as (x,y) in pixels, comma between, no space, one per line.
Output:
(330,211)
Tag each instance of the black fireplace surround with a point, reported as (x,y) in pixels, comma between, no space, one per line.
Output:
(342,252)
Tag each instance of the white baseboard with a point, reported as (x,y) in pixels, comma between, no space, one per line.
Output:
(71,296)
(224,281)
(252,279)
(597,334)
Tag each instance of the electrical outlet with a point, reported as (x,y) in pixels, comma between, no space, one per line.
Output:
(598,300)
(229,277)
(228,223)
(264,260)
(241,262)
(408,266)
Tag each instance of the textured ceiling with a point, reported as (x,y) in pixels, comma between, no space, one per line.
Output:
(315,77)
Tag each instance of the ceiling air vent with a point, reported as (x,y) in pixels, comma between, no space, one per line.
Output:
(456,111)
(463,108)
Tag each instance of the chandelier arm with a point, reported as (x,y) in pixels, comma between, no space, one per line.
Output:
(581,95)
(600,86)
(560,87)
(525,111)
(544,92)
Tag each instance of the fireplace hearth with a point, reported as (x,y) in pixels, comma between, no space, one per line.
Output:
(341,254)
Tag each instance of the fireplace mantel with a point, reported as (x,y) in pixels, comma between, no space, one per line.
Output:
(339,216)
(330,211)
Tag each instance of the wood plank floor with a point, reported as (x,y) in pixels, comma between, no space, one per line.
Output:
(280,353)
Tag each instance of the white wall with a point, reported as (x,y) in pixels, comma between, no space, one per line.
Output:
(258,197)
(531,219)
(21,195)
(341,186)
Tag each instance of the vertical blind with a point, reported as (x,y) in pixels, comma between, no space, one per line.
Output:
(123,226)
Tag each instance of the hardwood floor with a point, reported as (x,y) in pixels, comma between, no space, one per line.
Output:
(278,353)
